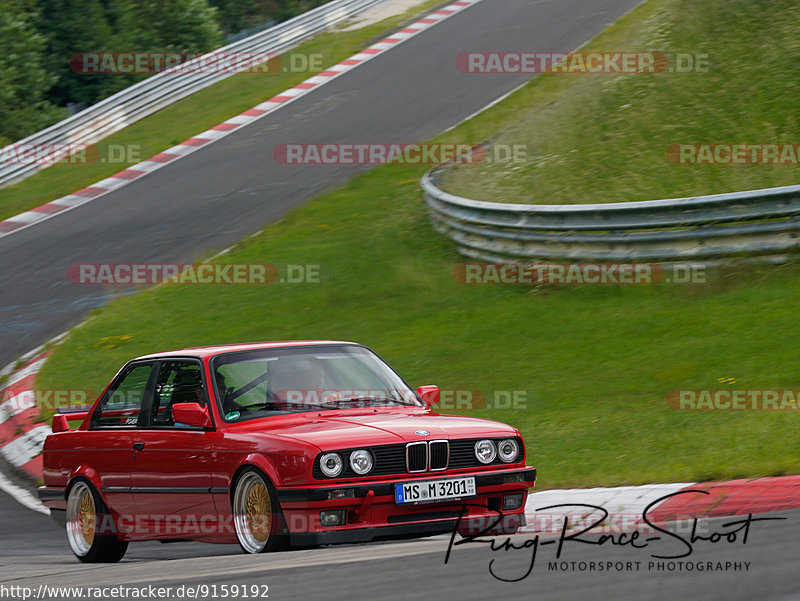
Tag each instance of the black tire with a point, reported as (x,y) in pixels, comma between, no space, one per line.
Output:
(85,512)
(257,515)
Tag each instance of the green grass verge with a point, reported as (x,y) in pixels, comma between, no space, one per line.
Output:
(194,114)
(596,363)
(605,138)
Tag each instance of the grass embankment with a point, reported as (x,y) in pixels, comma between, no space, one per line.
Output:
(596,362)
(194,114)
(605,137)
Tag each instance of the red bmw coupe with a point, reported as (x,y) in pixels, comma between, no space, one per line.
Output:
(275,444)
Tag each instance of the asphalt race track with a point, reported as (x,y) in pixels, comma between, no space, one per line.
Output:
(220,194)
(34,553)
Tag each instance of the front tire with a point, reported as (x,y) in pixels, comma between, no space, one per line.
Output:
(257,515)
(84,511)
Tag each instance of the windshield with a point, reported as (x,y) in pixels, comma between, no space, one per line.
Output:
(252,384)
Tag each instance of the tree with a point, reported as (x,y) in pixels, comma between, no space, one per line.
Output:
(169,26)
(237,15)
(71,27)
(24,80)
(291,8)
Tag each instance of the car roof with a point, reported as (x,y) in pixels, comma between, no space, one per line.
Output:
(203,352)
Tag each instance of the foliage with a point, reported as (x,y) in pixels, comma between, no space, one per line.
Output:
(24,79)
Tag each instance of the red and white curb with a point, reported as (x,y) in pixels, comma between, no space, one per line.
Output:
(663,502)
(21,433)
(122,178)
(546,511)
(21,436)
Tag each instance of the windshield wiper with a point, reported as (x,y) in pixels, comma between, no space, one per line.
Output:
(367,399)
(328,403)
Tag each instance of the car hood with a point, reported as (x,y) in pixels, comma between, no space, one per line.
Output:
(344,429)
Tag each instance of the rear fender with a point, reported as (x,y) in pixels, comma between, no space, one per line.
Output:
(88,473)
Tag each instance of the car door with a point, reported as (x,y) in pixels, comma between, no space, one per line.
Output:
(107,446)
(171,473)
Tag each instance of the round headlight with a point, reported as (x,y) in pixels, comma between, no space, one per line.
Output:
(361,461)
(485,451)
(331,464)
(508,450)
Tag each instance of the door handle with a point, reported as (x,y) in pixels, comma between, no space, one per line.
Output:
(138,446)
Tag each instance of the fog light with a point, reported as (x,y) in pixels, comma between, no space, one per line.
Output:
(332,518)
(341,493)
(512,501)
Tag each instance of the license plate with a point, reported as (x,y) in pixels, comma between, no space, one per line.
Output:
(428,491)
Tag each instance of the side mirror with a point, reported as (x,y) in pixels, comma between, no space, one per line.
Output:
(191,414)
(430,394)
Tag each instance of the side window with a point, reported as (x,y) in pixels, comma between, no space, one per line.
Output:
(178,382)
(123,403)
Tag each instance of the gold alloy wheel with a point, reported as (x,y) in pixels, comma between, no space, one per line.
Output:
(81,519)
(259,508)
(252,512)
(87,516)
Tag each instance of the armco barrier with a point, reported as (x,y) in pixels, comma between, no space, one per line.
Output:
(161,90)
(755,223)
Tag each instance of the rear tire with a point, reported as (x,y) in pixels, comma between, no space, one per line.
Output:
(85,510)
(256,514)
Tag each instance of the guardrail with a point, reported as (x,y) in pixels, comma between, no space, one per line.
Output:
(161,90)
(755,223)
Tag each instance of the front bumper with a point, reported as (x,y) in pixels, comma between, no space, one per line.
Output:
(372,514)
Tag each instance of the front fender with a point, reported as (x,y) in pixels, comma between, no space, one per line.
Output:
(261,462)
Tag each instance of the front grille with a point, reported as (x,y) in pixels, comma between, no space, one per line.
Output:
(462,453)
(417,457)
(427,456)
(440,454)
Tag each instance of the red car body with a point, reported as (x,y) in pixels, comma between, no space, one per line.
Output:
(178,482)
